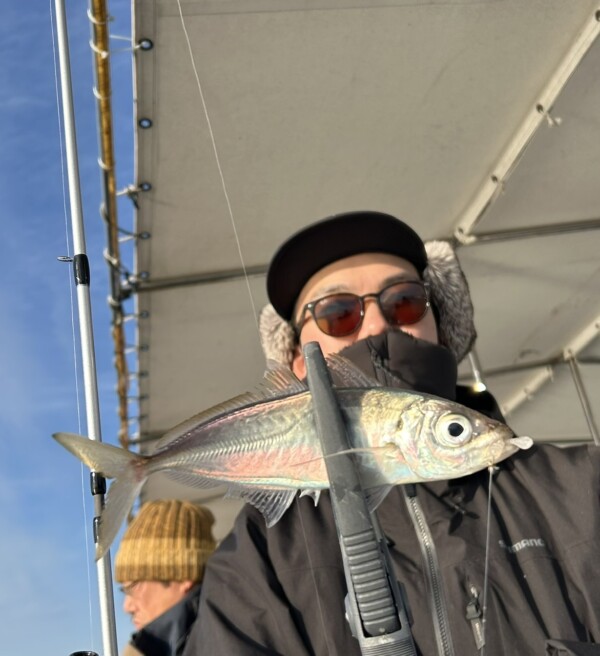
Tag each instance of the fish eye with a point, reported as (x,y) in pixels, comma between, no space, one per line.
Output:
(453,430)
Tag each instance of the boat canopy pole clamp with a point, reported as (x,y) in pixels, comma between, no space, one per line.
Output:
(81,269)
(375,607)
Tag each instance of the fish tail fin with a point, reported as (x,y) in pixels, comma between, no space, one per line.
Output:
(106,459)
(119,500)
(129,471)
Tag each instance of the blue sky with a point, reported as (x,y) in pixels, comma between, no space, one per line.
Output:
(48,595)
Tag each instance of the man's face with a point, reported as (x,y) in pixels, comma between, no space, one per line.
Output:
(366,273)
(146,600)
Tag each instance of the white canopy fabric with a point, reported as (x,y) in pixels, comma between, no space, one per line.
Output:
(269,114)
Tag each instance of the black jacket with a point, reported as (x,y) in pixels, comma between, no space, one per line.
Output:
(166,635)
(281,590)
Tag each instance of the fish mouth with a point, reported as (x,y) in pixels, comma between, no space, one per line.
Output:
(521,442)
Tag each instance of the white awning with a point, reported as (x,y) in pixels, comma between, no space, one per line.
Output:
(280,112)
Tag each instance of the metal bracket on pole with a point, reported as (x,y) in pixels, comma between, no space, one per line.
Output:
(375,607)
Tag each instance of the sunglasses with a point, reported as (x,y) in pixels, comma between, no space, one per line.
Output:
(128,589)
(341,314)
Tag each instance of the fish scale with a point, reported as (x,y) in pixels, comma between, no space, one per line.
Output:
(265,447)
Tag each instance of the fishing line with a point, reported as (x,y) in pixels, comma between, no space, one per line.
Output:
(492,469)
(312,573)
(73,329)
(219,167)
(371,450)
(239,247)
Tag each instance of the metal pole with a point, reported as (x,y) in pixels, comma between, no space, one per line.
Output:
(583,397)
(82,280)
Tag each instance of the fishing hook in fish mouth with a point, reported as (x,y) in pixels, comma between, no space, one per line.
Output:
(522,442)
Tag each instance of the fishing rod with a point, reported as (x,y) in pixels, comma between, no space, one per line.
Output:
(81,273)
(376,608)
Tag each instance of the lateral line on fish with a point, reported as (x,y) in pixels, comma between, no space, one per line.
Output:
(220,448)
(350,451)
(258,482)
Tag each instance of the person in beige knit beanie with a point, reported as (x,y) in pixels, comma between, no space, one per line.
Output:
(160,565)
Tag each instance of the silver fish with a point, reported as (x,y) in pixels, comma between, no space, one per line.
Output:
(265,447)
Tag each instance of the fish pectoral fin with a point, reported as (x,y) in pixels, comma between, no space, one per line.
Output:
(272,504)
(375,495)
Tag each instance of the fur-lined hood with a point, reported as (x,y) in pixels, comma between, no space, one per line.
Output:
(449,294)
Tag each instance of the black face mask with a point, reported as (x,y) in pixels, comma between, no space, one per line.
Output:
(397,359)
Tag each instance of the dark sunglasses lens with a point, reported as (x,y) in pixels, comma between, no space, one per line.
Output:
(404,303)
(338,315)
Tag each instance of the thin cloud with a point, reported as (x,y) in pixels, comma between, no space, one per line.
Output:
(18,103)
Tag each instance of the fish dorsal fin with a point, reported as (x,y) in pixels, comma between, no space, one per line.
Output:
(271,503)
(347,374)
(278,381)
(375,495)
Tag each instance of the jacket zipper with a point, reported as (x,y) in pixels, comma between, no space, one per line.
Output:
(437,602)
(475,616)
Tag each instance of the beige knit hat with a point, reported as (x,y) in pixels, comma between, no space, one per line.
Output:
(167,541)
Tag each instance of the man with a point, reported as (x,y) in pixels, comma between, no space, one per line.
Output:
(160,564)
(364,284)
